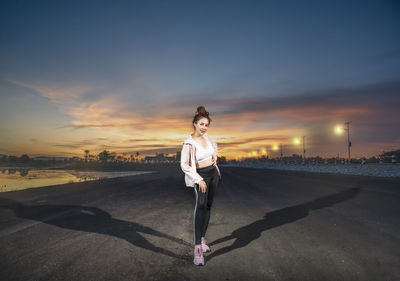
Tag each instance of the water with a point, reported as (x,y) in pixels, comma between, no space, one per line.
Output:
(22,178)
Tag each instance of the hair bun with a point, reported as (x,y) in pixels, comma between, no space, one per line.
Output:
(200,113)
(201,110)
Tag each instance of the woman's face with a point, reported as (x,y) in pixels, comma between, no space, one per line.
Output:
(202,126)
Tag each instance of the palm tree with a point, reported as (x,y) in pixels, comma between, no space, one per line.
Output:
(103,156)
(86,154)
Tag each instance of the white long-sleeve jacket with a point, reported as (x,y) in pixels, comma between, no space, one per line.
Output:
(188,157)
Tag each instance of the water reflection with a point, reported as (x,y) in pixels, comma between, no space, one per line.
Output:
(22,178)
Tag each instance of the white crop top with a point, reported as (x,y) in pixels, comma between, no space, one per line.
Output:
(203,153)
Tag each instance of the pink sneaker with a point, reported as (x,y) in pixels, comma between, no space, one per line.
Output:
(198,256)
(204,246)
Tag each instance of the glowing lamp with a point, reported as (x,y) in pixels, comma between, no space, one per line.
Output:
(339,130)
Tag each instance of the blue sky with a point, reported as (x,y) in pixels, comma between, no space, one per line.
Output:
(78,75)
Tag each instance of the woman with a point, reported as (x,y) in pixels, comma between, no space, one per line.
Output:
(199,163)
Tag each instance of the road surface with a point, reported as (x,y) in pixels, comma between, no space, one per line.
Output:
(265,225)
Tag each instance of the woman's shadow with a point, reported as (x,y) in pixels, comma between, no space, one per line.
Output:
(92,219)
(246,234)
(95,220)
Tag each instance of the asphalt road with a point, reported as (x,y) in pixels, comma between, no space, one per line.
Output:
(265,225)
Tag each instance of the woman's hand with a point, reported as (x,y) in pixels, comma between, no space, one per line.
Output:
(203,186)
(214,161)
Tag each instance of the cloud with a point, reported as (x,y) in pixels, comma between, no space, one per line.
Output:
(369,106)
(80,144)
(56,92)
(321,104)
(240,123)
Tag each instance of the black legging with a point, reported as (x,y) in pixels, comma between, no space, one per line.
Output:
(204,201)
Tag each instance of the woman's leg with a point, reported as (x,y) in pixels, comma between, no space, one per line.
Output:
(200,210)
(211,187)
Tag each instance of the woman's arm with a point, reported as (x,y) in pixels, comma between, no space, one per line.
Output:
(215,146)
(186,168)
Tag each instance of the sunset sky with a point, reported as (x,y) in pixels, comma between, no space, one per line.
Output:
(127,76)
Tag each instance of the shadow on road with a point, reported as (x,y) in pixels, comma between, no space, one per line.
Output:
(246,234)
(92,219)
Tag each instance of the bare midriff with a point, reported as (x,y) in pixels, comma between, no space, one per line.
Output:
(205,163)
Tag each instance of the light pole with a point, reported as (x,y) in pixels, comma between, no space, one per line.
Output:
(304,150)
(339,130)
(348,137)
(297,141)
(280,145)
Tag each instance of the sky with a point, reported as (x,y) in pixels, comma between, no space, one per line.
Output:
(128,76)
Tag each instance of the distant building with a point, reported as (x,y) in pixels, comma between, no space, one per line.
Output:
(48,158)
(159,158)
(3,156)
(42,158)
(75,159)
(170,159)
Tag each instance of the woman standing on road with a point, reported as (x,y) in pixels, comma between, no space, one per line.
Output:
(199,163)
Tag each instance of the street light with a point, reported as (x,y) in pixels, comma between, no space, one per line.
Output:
(339,130)
(275,147)
(296,141)
(348,136)
(264,152)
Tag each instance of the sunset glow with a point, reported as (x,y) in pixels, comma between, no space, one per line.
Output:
(261,70)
